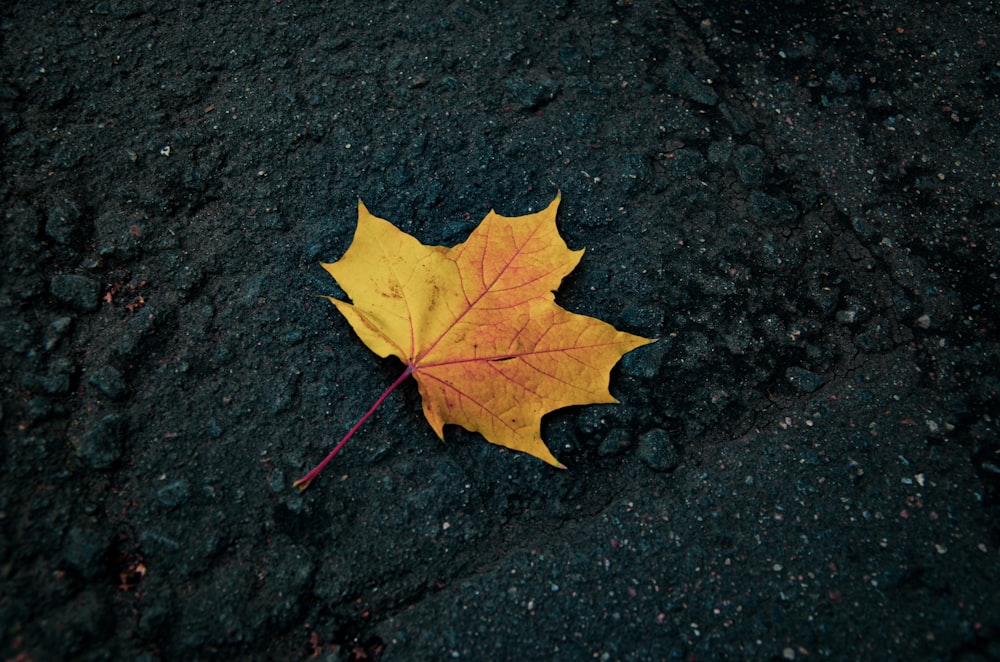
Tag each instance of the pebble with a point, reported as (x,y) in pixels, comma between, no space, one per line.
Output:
(56,331)
(101,445)
(751,164)
(682,82)
(530,95)
(108,381)
(769,209)
(645,361)
(173,494)
(215,430)
(55,384)
(38,409)
(657,451)
(803,380)
(79,292)
(613,444)
(62,224)
(84,550)
(152,543)
(276,481)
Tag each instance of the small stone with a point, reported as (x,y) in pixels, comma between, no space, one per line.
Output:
(719,151)
(215,430)
(682,82)
(771,210)
(61,324)
(109,381)
(83,550)
(530,95)
(56,384)
(15,334)
(645,363)
(57,330)
(846,316)
(803,380)
(79,292)
(38,409)
(101,445)
(276,481)
(173,494)
(657,451)
(63,222)
(153,543)
(751,164)
(574,60)
(614,443)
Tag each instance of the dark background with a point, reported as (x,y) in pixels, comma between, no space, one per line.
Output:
(798,198)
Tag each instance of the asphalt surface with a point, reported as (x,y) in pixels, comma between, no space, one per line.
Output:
(798,200)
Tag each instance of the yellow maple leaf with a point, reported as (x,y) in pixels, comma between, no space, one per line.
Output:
(477,326)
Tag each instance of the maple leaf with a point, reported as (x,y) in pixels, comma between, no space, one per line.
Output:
(477,326)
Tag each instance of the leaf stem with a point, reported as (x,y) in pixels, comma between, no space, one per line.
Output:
(305,481)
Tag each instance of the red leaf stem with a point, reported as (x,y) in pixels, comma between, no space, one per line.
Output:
(304,482)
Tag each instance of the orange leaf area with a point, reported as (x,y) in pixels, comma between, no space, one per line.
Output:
(477,325)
